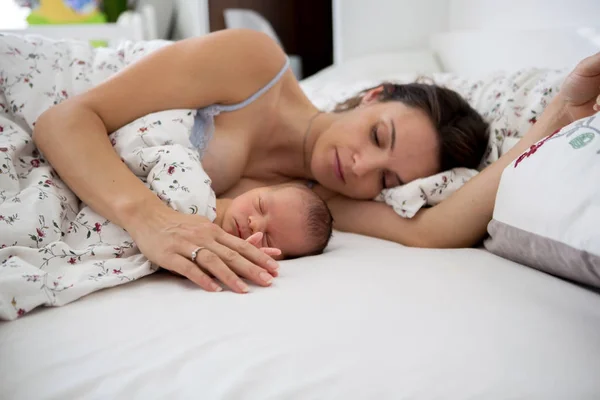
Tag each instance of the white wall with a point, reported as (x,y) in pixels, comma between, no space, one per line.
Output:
(191,18)
(363,27)
(164,10)
(369,26)
(522,14)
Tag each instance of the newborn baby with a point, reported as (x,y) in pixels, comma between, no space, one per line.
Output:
(288,217)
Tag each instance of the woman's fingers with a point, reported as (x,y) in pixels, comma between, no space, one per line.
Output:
(271,251)
(187,268)
(256,239)
(589,66)
(250,255)
(208,260)
(583,83)
(243,267)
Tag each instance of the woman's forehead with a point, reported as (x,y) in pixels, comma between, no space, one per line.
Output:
(416,153)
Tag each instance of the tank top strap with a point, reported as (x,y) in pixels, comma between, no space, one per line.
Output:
(203,128)
(260,92)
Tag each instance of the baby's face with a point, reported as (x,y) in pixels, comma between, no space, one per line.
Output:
(280,214)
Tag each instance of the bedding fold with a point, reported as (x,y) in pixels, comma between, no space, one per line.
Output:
(55,249)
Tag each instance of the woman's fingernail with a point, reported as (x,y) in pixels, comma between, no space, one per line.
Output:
(266,277)
(273,264)
(217,288)
(242,286)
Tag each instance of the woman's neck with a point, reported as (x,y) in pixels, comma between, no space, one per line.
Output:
(293,140)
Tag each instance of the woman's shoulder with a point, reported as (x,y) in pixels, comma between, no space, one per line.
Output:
(251,54)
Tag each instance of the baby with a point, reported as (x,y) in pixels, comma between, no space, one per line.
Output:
(290,217)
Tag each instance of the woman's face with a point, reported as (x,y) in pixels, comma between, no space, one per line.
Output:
(375,146)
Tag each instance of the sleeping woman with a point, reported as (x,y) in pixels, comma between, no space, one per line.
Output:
(268,131)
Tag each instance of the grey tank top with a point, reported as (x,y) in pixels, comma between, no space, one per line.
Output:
(204,123)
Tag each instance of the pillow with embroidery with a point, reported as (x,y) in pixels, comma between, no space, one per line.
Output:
(548,205)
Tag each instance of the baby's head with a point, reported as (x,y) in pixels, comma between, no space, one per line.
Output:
(291,217)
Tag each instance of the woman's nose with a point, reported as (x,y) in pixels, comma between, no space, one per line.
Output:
(362,164)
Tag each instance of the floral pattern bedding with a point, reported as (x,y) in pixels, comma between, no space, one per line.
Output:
(53,248)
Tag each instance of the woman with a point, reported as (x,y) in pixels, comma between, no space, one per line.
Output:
(273,134)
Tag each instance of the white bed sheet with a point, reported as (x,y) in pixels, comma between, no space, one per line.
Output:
(368,319)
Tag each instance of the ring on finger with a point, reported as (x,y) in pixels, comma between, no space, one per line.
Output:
(195,253)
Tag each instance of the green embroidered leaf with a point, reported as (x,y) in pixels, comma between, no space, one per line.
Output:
(582,140)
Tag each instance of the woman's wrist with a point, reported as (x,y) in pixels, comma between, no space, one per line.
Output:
(132,212)
(554,117)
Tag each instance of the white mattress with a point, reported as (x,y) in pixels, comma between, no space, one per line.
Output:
(368,319)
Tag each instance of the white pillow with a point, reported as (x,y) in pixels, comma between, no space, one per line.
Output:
(375,67)
(548,205)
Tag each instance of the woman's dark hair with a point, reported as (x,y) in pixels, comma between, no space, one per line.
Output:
(462,132)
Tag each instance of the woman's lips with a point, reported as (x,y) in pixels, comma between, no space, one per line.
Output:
(337,167)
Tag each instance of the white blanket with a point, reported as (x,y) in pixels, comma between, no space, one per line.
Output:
(53,248)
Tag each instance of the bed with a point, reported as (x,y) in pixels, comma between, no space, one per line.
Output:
(367,319)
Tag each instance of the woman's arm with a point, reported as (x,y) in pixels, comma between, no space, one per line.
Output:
(219,68)
(461,220)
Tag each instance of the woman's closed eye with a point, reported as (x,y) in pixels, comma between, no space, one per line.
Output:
(388,179)
(266,236)
(375,137)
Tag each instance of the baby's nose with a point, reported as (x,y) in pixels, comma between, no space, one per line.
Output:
(254,224)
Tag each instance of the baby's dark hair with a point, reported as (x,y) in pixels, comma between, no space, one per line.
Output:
(319,218)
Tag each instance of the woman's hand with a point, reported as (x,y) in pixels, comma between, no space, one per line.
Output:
(168,238)
(581,89)
(255,240)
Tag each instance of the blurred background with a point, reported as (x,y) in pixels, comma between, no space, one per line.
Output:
(302,27)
